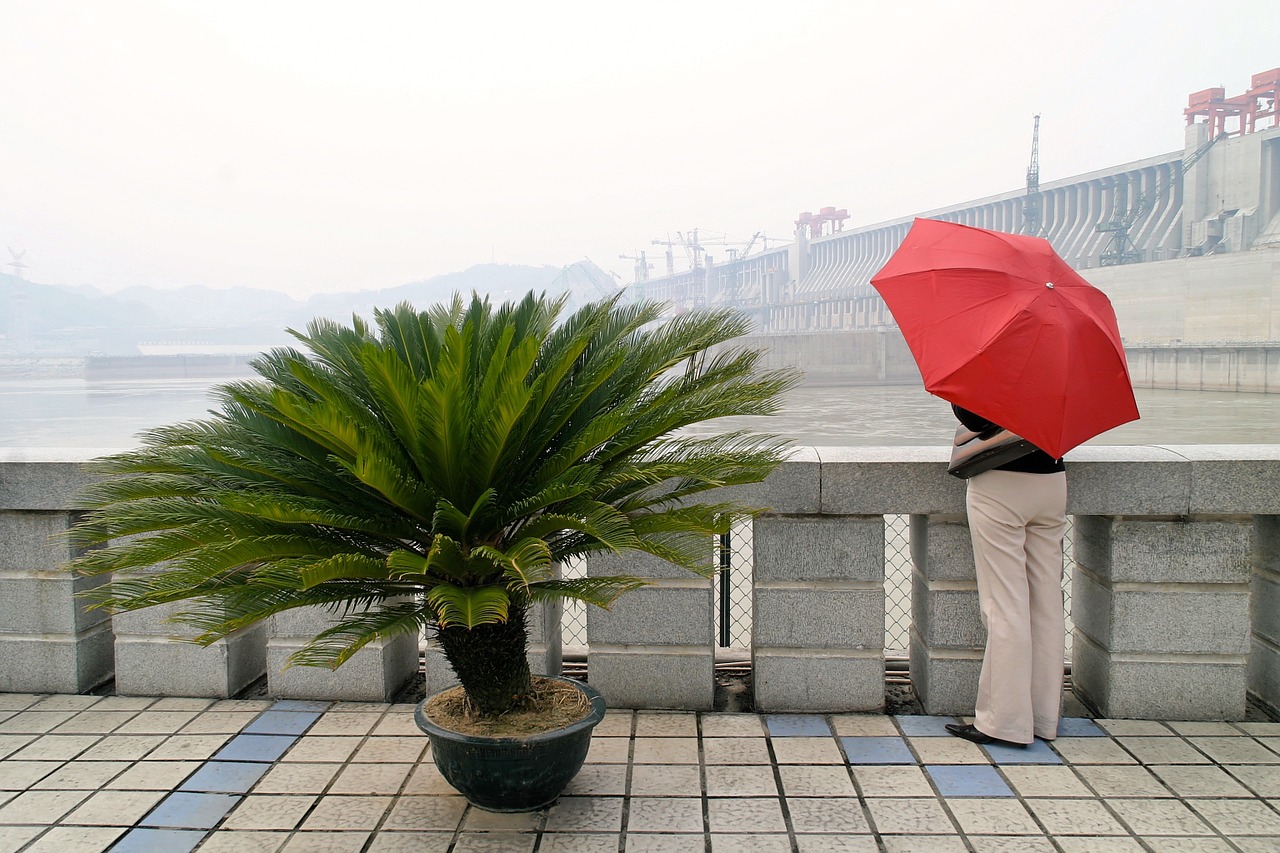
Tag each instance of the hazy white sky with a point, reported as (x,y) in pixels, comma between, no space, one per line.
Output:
(312,147)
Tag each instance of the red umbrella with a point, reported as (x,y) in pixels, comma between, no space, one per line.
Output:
(1000,325)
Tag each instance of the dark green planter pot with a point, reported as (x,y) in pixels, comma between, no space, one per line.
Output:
(513,774)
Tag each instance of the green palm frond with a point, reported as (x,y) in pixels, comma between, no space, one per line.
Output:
(432,467)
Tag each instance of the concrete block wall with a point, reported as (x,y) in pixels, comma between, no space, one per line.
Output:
(154,657)
(655,647)
(1179,576)
(818,617)
(376,673)
(947,636)
(49,640)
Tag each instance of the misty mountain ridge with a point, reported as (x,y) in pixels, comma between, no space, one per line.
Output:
(81,320)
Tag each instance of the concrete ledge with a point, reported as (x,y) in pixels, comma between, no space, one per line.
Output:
(153,666)
(888,481)
(57,663)
(645,677)
(1178,687)
(830,681)
(945,680)
(818,548)
(376,673)
(824,618)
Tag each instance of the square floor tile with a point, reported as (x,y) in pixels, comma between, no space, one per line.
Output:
(269,812)
(1045,781)
(1123,781)
(864,725)
(991,817)
(1079,727)
(158,841)
(947,750)
(891,781)
(812,815)
(666,724)
(921,726)
(281,723)
(797,725)
(1235,750)
(807,750)
(661,780)
(365,813)
(745,780)
(1200,781)
(154,775)
(763,814)
(266,748)
(1163,750)
(300,705)
(814,781)
(727,750)
(910,817)
(877,750)
(968,780)
(75,839)
(1159,817)
(1075,817)
(1037,752)
(1239,817)
(666,814)
(732,725)
(113,808)
(190,811)
(226,777)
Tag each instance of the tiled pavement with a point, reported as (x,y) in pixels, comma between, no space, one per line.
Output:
(90,773)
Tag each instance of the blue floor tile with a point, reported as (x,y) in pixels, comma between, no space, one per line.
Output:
(797,725)
(190,811)
(255,748)
(1037,753)
(1079,727)
(226,777)
(281,723)
(299,705)
(923,726)
(877,750)
(968,780)
(158,841)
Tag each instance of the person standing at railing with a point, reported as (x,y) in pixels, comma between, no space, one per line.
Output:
(1017,517)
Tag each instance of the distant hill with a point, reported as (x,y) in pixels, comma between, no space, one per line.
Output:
(51,319)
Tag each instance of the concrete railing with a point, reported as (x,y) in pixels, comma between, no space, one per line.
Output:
(1176,595)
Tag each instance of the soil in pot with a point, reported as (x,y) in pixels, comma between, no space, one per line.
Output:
(555,705)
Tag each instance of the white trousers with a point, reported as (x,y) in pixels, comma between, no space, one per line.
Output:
(1016,521)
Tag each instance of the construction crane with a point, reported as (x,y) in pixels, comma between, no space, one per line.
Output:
(1121,249)
(1032,205)
(692,249)
(642,265)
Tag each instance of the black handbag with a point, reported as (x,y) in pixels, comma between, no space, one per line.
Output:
(975,452)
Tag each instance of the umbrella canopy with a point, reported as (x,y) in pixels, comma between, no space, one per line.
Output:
(1000,325)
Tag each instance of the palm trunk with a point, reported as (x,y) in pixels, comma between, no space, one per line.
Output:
(490,662)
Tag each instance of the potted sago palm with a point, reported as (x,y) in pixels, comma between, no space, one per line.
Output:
(428,471)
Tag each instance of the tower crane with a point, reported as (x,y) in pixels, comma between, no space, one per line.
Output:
(642,265)
(1121,249)
(1032,207)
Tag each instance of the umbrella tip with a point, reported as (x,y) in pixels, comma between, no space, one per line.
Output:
(1049,285)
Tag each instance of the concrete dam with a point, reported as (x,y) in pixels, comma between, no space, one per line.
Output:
(1185,244)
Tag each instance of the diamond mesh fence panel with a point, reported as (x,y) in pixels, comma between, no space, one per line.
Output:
(733,589)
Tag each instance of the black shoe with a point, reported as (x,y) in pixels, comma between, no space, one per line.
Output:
(972,734)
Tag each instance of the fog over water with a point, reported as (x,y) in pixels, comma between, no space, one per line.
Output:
(104,415)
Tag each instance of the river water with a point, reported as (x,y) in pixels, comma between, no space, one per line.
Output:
(75,413)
